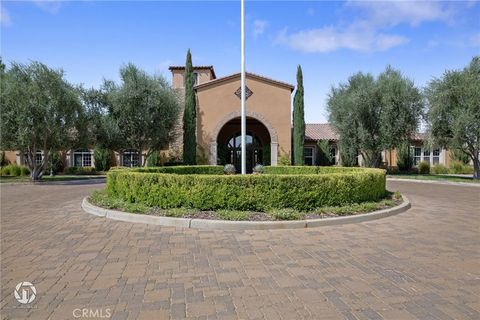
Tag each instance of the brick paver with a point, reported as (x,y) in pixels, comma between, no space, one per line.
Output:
(421,264)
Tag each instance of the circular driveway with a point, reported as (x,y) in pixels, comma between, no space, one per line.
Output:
(420,264)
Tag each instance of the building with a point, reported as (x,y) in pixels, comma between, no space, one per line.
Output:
(269,126)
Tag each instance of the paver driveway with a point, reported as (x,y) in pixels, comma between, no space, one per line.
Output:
(423,264)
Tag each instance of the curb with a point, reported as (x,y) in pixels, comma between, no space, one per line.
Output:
(446,183)
(241,225)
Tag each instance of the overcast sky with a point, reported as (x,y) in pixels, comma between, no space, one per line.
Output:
(90,40)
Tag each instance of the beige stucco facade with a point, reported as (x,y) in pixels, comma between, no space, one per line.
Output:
(218,108)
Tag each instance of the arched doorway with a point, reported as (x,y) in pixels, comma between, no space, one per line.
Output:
(257,144)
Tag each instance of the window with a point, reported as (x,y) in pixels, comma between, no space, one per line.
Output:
(426,156)
(131,158)
(308,156)
(417,155)
(82,158)
(436,156)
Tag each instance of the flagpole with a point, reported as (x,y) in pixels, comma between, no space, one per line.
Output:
(244,111)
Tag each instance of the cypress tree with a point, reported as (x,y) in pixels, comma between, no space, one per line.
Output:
(298,121)
(190,114)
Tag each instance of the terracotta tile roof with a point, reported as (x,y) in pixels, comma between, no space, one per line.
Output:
(319,131)
(195,68)
(248,74)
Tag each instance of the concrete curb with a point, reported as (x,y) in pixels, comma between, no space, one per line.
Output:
(241,225)
(447,183)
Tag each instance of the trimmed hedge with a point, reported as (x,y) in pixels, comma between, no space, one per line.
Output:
(311,169)
(258,192)
(14,170)
(181,169)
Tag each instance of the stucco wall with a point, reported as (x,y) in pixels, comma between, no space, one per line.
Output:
(269,103)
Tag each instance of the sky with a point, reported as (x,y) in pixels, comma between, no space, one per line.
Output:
(331,40)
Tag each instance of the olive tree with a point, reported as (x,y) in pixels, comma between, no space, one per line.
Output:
(40,111)
(374,114)
(454,111)
(144,108)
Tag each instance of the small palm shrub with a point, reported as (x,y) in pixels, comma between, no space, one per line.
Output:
(102,158)
(229,169)
(258,169)
(424,167)
(439,169)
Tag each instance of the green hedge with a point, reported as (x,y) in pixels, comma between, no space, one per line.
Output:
(181,169)
(14,170)
(311,169)
(258,192)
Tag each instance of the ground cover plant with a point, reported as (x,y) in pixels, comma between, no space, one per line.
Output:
(100,198)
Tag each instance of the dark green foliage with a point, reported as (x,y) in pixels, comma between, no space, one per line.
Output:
(80,170)
(298,121)
(202,158)
(189,115)
(374,114)
(459,155)
(454,111)
(102,158)
(424,167)
(323,154)
(247,192)
(154,159)
(267,155)
(198,169)
(404,157)
(56,160)
(3,159)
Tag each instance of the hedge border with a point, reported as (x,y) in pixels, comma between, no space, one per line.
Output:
(257,192)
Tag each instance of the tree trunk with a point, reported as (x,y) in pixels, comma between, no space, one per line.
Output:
(476,168)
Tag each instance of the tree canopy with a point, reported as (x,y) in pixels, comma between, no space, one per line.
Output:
(454,111)
(145,109)
(41,111)
(374,114)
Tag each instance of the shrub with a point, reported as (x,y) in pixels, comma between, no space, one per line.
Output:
(284,160)
(286,214)
(323,153)
(458,167)
(439,169)
(24,171)
(247,192)
(177,169)
(424,167)
(3,159)
(258,168)
(229,169)
(80,170)
(310,169)
(404,158)
(459,155)
(15,170)
(102,159)
(154,159)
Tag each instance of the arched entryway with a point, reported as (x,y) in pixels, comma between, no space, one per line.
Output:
(258,144)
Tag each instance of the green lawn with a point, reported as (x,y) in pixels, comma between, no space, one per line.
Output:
(437,177)
(8,179)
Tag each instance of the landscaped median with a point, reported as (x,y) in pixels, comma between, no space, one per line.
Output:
(204,197)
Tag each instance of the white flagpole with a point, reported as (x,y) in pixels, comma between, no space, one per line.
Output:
(244,111)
